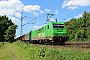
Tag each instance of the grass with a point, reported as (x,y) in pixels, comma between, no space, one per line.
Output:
(23,51)
(5,53)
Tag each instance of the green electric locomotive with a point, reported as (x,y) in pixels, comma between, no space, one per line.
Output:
(52,32)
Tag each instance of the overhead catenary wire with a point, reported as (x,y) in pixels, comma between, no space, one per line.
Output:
(51,11)
(62,12)
(40,2)
(70,13)
(41,16)
(45,14)
(29,22)
(21,30)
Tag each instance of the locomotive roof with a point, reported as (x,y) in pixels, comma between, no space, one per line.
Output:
(49,23)
(56,22)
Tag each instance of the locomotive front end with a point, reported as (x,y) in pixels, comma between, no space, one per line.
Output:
(59,32)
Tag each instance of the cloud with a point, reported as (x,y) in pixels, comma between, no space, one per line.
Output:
(11,8)
(30,8)
(15,20)
(72,7)
(73,4)
(47,10)
(35,13)
(34,9)
(6,12)
(56,11)
(15,5)
(41,11)
(80,15)
(18,14)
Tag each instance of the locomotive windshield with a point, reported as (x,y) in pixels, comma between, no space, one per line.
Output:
(58,25)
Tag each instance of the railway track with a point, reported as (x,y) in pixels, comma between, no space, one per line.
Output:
(69,45)
(77,43)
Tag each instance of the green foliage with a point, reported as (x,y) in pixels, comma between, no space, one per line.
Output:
(5,23)
(10,33)
(79,29)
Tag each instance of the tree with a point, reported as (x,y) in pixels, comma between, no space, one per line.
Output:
(10,33)
(5,22)
(79,29)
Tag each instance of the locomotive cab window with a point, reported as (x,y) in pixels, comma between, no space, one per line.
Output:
(58,25)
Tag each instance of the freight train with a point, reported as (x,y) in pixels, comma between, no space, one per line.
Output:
(52,32)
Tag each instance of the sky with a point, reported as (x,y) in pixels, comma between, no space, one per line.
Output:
(35,11)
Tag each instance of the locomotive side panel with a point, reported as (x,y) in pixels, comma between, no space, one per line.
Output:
(49,31)
(34,35)
(38,34)
(42,33)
